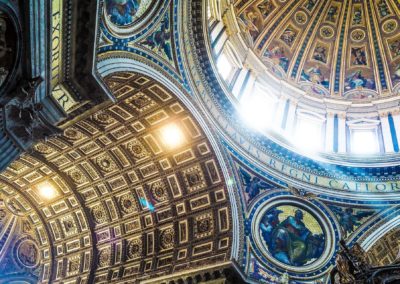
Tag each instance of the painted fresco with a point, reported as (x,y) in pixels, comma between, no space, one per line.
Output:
(125,12)
(8,41)
(253,17)
(253,185)
(292,235)
(305,42)
(351,218)
(160,40)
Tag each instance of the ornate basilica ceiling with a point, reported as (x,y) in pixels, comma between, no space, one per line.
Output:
(125,159)
(341,46)
(125,203)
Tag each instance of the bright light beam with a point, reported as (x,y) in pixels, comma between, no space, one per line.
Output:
(257,111)
(172,136)
(47,191)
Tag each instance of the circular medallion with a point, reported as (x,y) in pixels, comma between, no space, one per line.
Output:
(357,35)
(327,32)
(390,26)
(28,253)
(8,47)
(301,18)
(292,234)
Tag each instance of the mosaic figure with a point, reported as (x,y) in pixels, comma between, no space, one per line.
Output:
(395,47)
(383,8)
(266,7)
(311,4)
(357,80)
(396,74)
(332,14)
(7,47)
(160,41)
(357,17)
(277,54)
(358,56)
(349,219)
(28,253)
(289,36)
(122,12)
(252,19)
(289,239)
(253,185)
(315,75)
(320,53)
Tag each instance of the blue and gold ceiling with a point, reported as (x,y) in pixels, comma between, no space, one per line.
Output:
(339,45)
(126,207)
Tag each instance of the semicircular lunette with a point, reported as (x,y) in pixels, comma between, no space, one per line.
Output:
(123,13)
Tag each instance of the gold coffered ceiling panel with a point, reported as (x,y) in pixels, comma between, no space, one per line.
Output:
(125,202)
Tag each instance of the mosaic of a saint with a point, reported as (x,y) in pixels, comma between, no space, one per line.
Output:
(122,12)
(290,238)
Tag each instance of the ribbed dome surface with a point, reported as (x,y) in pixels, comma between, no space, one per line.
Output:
(343,49)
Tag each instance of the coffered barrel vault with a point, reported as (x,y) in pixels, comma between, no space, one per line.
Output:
(148,141)
(127,206)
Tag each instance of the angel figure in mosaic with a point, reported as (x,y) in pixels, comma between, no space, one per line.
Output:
(349,219)
(383,8)
(161,40)
(253,185)
(122,12)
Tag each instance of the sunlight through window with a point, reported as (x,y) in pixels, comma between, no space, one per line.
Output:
(364,142)
(224,66)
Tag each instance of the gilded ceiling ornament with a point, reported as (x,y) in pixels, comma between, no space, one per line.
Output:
(301,18)
(43,148)
(136,148)
(106,164)
(203,225)
(159,191)
(72,133)
(327,32)
(390,26)
(141,102)
(128,203)
(134,248)
(167,238)
(104,257)
(358,35)
(103,117)
(77,176)
(194,178)
(99,214)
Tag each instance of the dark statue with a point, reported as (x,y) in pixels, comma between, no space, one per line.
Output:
(352,267)
(23,113)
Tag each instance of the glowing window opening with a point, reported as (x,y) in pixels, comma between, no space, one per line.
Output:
(308,133)
(224,66)
(364,141)
(258,108)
